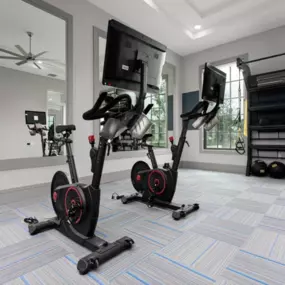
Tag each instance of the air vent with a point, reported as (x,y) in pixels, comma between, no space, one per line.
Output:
(52,75)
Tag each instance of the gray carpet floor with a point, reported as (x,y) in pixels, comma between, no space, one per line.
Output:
(237,236)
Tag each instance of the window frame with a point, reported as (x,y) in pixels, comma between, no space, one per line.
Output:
(202,136)
(164,77)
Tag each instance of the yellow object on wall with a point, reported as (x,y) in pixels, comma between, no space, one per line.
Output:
(245,119)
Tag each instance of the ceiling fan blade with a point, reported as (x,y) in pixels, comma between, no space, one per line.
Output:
(39,54)
(21,50)
(10,57)
(22,62)
(37,65)
(12,53)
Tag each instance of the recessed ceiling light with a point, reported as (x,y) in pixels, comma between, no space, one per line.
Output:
(40,62)
(151,4)
(197,27)
(50,99)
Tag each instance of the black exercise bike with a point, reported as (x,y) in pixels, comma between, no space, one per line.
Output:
(156,186)
(77,205)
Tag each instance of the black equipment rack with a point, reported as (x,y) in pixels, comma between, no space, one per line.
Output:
(265,113)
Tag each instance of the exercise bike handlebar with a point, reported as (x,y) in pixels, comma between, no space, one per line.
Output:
(98,112)
(200,110)
(34,127)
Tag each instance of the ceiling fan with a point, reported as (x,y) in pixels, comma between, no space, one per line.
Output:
(24,57)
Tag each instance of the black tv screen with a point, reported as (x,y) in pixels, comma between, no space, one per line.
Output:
(213,76)
(35,117)
(123,49)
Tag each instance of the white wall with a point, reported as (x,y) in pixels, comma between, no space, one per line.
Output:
(85,16)
(177,61)
(20,91)
(261,45)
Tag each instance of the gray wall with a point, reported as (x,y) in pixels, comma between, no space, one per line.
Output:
(85,16)
(20,91)
(261,45)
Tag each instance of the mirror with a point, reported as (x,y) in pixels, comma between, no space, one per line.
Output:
(160,114)
(32,81)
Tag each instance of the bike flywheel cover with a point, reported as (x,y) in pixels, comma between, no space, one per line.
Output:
(136,178)
(59,179)
(157,182)
(74,202)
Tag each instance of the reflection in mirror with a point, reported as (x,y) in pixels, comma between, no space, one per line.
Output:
(160,111)
(32,81)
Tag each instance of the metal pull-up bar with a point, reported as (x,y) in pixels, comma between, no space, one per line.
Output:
(260,59)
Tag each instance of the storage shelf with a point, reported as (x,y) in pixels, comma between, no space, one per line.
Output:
(268,139)
(268,147)
(267,108)
(267,157)
(273,128)
(266,88)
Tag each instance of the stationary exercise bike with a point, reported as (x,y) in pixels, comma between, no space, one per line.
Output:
(156,186)
(77,205)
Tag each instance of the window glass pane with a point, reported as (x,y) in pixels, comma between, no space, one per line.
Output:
(235,73)
(225,109)
(228,91)
(226,68)
(235,89)
(224,140)
(225,124)
(211,139)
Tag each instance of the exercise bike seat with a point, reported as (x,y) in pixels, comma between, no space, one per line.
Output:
(65,128)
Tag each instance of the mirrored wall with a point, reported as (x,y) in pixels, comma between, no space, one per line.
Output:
(32,81)
(160,113)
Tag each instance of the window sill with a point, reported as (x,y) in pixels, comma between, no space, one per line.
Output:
(222,151)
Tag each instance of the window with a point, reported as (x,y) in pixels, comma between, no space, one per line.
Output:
(158,115)
(51,120)
(224,135)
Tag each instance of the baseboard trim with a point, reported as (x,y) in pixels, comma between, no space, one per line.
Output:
(44,187)
(228,168)
(31,162)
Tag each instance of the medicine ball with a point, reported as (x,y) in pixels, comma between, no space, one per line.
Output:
(276,170)
(259,168)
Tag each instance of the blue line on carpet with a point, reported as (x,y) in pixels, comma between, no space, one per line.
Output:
(208,248)
(91,275)
(25,280)
(106,207)
(28,257)
(137,278)
(185,267)
(101,234)
(150,239)
(273,245)
(265,258)
(274,228)
(131,220)
(45,206)
(156,280)
(38,278)
(164,226)
(22,214)
(246,276)
(70,259)
(133,264)
(110,216)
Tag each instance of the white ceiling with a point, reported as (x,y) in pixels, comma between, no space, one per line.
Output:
(18,17)
(172,21)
